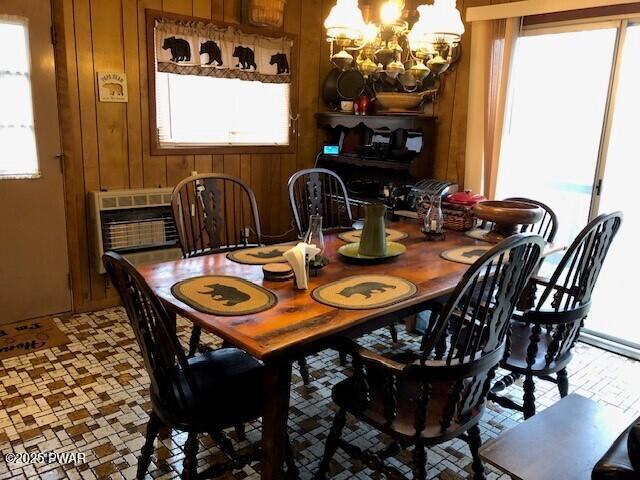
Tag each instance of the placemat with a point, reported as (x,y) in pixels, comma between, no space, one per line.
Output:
(354,235)
(467,255)
(360,292)
(29,336)
(477,234)
(223,295)
(260,255)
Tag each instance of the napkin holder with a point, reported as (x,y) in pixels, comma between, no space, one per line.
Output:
(299,258)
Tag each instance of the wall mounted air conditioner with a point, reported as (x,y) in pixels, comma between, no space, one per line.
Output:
(135,223)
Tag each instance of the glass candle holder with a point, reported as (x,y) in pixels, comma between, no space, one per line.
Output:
(433,227)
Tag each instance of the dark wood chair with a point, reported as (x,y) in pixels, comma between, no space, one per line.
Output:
(203,394)
(318,191)
(214,213)
(541,339)
(431,396)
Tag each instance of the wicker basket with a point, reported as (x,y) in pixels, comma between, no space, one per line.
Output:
(266,13)
(456,217)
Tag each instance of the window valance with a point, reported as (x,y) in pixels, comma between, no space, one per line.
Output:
(205,49)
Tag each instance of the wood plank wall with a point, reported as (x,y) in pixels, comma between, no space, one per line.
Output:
(106,145)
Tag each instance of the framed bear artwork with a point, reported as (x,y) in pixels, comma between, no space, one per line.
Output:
(112,87)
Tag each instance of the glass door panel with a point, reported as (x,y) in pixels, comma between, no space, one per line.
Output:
(614,311)
(556,110)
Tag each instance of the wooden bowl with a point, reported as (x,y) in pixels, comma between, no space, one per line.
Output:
(507,216)
(394,101)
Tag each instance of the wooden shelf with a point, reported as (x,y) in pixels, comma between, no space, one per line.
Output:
(389,122)
(367,162)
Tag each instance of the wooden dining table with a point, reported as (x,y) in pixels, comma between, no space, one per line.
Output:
(299,325)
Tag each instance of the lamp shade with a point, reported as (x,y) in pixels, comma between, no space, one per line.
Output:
(345,21)
(437,22)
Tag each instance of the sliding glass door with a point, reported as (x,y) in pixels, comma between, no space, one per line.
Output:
(572,140)
(614,313)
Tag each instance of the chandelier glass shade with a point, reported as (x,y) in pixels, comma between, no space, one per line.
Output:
(390,46)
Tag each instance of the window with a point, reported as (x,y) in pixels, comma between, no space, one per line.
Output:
(18,154)
(207,111)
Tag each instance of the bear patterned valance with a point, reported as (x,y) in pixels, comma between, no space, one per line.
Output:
(196,48)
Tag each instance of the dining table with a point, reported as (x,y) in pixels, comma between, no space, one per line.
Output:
(299,325)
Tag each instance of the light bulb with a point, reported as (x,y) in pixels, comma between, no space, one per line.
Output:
(390,12)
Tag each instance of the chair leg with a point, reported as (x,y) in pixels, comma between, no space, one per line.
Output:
(190,463)
(394,333)
(332,443)
(563,382)
(153,427)
(304,370)
(529,406)
(343,359)
(475,442)
(420,461)
(194,340)
(289,459)
(240,431)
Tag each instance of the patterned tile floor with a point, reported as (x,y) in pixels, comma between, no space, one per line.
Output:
(90,396)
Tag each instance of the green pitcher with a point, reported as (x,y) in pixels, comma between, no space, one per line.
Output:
(373,241)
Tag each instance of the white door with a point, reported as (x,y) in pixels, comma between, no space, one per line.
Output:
(34,261)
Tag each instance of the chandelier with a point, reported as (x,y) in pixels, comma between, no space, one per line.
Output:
(429,46)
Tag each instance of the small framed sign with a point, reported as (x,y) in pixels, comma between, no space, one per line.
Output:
(112,87)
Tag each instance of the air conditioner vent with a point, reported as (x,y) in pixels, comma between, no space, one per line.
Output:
(109,202)
(140,200)
(125,201)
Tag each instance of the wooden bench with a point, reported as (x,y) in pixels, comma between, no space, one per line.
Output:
(564,441)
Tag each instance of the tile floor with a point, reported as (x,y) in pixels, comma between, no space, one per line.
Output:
(90,396)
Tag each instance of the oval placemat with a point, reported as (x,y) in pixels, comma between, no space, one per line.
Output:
(354,235)
(223,295)
(360,292)
(260,255)
(477,234)
(467,255)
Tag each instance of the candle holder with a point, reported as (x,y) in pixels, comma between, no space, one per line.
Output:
(433,226)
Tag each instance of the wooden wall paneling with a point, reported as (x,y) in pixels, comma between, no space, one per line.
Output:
(311,59)
(133,107)
(113,154)
(69,113)
(154,166)
(217,9)
(88,126)
(458,137)
(178,166)
(231,11)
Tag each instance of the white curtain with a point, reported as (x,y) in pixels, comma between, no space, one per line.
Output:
(18,153)
(492,47)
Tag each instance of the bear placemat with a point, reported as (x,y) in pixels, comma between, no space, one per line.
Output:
(361,292)
(260,255)
(467,255)
(477,234)
(223,295)
(354,235)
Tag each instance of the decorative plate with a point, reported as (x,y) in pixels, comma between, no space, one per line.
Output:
(350,251)
(361,292)
(354,235)
(223,295)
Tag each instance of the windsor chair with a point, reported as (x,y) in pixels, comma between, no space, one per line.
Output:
(427,397)
(203,394)
(541,339)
